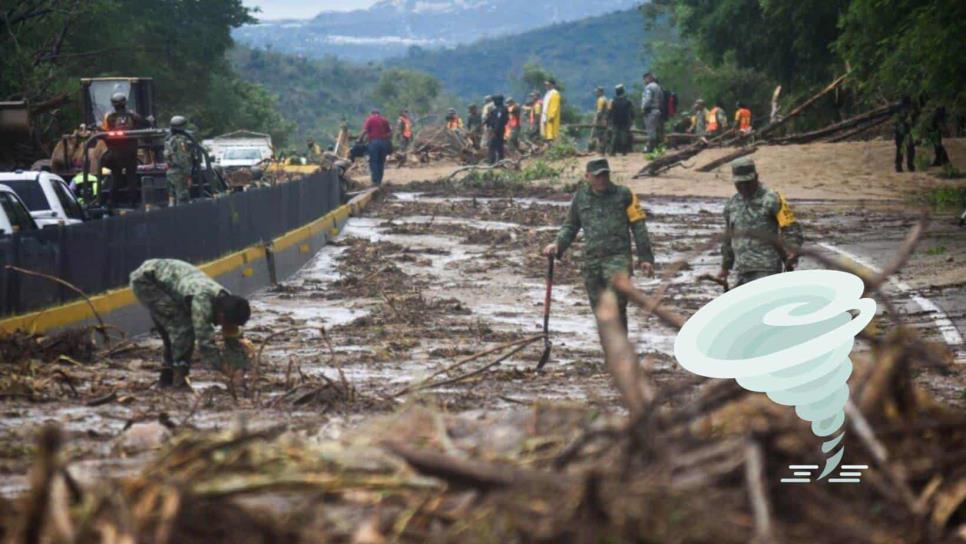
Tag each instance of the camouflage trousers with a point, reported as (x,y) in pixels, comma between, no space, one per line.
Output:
(178,187)
(752,275)
(597,274)
(171,318)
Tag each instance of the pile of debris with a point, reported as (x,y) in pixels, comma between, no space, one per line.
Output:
(701,471)
(436,143)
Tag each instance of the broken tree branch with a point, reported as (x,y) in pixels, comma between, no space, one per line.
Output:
(876,114)
(803,106)
(68,285)
(728,158)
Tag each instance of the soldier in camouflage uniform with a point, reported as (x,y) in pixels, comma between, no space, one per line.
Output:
(607,213)
(185,305)
(755,218)
(902,126)
(178,157)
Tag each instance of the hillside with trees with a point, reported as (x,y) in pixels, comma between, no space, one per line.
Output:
(597,51)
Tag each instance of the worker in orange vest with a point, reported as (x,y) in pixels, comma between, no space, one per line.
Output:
(716,120)
(453,120)
(743,119)
(405,130)
(513,124)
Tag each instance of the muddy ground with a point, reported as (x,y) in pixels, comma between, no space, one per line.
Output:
(424,278)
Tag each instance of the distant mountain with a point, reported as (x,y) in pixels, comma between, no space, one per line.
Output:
(390,27)
(604,50)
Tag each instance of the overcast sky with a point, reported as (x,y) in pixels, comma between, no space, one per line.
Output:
(301,9)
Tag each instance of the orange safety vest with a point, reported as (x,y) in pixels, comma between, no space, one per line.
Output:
(712,119)
(407,124)
(743,117)
(454,123)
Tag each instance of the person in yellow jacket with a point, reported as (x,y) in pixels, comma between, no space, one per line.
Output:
(550,117)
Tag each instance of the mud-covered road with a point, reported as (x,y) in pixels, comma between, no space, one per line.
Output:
(424,279)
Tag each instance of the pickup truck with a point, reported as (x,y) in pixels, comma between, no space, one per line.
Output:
(46,196)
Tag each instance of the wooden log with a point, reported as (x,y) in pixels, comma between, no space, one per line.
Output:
(620,358)
(728,158)
(876,114)
(858,130)
(803,106)
(665,162)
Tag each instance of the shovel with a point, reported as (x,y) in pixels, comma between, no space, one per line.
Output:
(546,316)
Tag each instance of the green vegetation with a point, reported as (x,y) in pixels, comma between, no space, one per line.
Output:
(946,197)
(489,179)
(936,251)
(49,44)
(743,49)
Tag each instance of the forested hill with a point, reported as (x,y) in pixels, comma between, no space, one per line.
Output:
(315,94)
(604,51)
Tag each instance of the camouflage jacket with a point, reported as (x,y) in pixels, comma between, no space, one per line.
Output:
(177,153)
(191,287)
(748,224)
(606,219)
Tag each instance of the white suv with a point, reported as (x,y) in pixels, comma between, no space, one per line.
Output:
(14,216)
(46,195)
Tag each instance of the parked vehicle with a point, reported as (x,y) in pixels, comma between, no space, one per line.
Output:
(14,216)
(46,196)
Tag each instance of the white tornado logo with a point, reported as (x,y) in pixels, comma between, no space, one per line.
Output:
(788,335)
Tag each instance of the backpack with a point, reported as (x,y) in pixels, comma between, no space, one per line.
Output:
(672,104)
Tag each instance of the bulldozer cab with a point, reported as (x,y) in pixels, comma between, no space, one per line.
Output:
(96,96)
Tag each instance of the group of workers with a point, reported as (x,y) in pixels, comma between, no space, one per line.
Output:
(121,158)
(761,237)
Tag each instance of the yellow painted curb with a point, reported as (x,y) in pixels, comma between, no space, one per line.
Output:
(105,303)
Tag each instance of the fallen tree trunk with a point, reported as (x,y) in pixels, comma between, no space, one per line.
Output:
(857,130)
(665,162)
(803,106)
(874,115)
(728,158)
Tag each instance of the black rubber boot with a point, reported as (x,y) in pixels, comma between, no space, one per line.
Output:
(167,377)
(179,376)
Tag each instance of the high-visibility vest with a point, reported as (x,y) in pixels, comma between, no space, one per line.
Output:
(454,123)
(743,119)
(712,119)
(514,117)
(407,131)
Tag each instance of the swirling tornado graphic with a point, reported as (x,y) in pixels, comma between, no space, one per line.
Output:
(789,336)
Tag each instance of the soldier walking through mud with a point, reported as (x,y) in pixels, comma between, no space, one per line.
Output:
(179,159)
(756,218)
(608,214)
(186,305)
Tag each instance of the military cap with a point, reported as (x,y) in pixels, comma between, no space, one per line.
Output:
(597,166)
(619,89)
(743,169)
(178,121)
